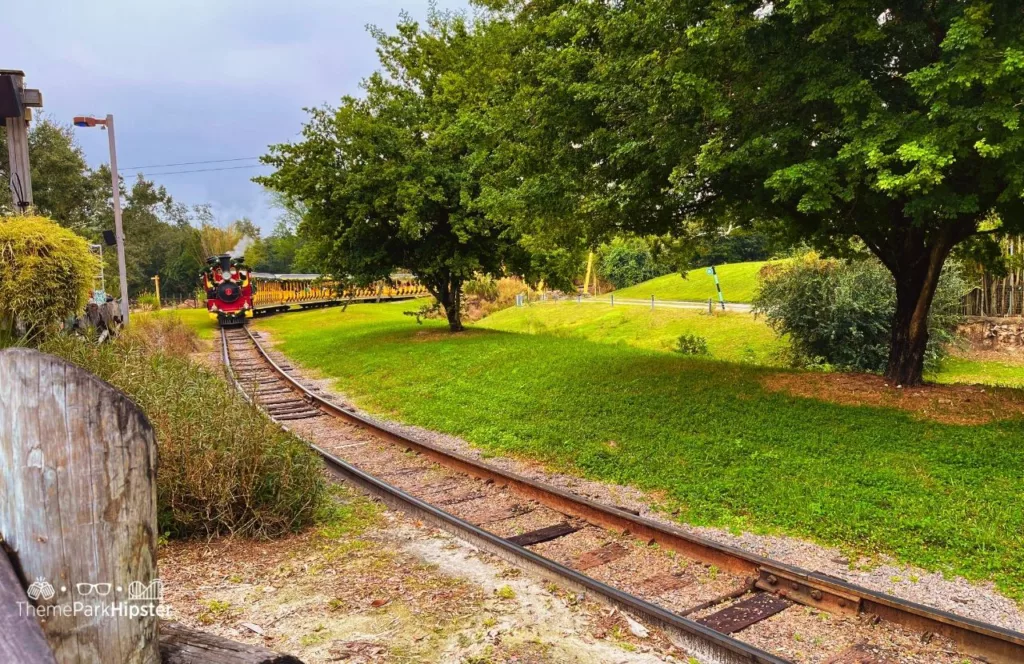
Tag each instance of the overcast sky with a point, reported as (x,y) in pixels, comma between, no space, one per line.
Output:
(196,80)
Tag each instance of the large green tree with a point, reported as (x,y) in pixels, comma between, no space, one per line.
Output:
(897,123)
(389,180)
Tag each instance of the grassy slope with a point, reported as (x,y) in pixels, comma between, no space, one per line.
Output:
(987,372)
(722,450)
(735,337)
(739,281)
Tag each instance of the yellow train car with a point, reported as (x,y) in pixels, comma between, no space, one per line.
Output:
(283,292)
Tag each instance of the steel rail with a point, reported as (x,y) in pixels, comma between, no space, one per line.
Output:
(698,640)
(996,644)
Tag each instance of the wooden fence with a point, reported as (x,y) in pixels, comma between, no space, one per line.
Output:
(998,299)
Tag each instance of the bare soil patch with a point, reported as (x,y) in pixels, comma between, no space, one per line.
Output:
(1006,355)
(949,404)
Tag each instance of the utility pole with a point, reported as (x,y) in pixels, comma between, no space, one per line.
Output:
(108,123)
(118,228)
(16,104)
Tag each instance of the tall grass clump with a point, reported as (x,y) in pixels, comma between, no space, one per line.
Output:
(485,294)
(223,466)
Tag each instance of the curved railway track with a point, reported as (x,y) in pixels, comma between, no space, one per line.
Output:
(721,604)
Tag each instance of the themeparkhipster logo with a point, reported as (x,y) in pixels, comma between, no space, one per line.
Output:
(102,600)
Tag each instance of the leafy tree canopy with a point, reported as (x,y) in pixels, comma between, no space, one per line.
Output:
(391,180)
(896,123)
(628,261)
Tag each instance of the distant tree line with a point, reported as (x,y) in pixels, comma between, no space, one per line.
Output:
(162,236)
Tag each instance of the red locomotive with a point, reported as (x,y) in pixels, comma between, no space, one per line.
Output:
(229,289)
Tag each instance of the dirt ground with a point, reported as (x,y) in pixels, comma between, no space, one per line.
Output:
(375,586)
(951,404)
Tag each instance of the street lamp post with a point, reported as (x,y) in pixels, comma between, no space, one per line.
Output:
(108,123)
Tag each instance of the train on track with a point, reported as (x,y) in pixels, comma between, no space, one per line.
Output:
(234,292)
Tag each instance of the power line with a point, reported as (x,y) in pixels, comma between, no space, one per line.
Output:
(187,163)
(204,170)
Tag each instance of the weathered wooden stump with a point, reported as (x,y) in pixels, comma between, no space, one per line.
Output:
(78,508)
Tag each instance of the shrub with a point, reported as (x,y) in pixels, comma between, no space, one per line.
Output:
(482,287)
(45,275)
(839,313)
(692,344)
(147,301)
(625,262)
(485,295)
(224,467)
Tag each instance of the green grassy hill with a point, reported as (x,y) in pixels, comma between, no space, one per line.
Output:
(731,336)
(739,281)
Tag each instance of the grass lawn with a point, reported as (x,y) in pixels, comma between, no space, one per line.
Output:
(196,318)
(723,450)
(731,336)
(987,372)
(739,281)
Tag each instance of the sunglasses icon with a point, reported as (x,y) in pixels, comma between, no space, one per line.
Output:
(101,589)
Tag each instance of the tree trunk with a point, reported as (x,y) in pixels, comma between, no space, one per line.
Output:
(454,318)
(916,282)
(449,294)
(453,305)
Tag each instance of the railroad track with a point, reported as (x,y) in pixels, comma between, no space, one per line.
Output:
(719,603)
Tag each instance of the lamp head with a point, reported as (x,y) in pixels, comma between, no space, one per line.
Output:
(86,121)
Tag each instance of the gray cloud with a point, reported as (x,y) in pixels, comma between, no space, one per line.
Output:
(189,80)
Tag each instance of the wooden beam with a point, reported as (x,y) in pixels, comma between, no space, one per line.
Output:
(17,149)
(21,637)
(184,645)
(31,98)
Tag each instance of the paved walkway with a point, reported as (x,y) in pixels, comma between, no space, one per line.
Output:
(666,304)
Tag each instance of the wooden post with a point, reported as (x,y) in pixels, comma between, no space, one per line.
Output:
(586,279)
(78,509)
(17,139)
(156,280)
